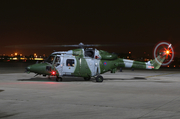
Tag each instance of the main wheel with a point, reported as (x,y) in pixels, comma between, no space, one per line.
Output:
(99,78)
(87,78)
(58,79)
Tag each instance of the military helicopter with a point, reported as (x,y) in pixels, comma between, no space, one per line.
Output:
(89,62)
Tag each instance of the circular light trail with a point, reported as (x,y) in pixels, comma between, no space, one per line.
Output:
(164,49)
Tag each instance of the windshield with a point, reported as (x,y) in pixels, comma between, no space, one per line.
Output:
(50,59)
(57,61)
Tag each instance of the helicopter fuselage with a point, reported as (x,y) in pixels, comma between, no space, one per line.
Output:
(85,63)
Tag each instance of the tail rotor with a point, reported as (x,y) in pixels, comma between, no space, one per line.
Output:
(164,49)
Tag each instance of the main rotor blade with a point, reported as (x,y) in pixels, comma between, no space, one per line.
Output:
(54,46)
(81,45)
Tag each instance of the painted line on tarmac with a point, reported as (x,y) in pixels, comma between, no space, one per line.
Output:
(161,75)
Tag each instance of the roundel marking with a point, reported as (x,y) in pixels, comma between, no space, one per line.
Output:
(105,63)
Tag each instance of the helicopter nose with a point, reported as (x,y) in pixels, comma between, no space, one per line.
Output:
(32,68)
(38,68)
(28,69)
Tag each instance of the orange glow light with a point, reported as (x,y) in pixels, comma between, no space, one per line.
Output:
(167,52)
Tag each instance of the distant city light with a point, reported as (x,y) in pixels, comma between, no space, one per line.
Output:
(38,59)
(23,58)
(15,58)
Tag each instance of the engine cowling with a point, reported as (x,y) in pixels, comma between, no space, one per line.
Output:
(107,56)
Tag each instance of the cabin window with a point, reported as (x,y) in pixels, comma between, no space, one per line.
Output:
(89,53)
(70,62)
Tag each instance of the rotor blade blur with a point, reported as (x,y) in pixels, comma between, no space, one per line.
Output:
(53,46)
(82,45)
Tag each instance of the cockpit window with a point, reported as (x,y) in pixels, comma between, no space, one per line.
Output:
(50,59)
(57,61)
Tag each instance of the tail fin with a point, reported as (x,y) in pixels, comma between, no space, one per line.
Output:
(157,62)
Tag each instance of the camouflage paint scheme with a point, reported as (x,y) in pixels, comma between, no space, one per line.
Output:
(89,66)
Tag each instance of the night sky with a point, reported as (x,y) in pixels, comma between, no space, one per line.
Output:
(135,25)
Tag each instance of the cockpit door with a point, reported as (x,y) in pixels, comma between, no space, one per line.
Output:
(58,64)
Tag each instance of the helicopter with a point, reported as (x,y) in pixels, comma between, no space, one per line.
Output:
(89,62)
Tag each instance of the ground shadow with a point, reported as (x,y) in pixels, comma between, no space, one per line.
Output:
(134,78)
(76,79)
(6,115)
(1,90)
(53,79)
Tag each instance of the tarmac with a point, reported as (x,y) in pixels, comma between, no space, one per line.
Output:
(138,94)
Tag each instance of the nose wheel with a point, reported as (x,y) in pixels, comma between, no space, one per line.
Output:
(58,79)
(99,78)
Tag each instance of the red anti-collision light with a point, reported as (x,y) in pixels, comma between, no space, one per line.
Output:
(53,73)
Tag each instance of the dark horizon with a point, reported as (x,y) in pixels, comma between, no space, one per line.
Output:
(136,25)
